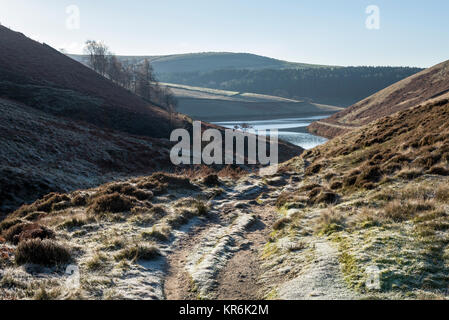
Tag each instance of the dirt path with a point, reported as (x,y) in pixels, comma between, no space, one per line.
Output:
(322,279)
(220,260)
(239,279)
(178,283)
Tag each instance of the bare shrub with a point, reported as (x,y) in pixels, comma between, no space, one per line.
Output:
(111,203)
(398,211)
(211,180)
(45,204)
(138,252)
(26,231)
(43,252)
(79,200)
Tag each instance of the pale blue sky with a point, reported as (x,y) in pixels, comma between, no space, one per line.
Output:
(414,32)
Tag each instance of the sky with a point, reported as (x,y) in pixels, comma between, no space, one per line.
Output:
(331,32)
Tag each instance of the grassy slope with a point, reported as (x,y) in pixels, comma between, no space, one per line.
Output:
(380,194)
(42,153)
(429,84)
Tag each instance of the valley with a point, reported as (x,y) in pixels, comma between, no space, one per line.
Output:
(93,206)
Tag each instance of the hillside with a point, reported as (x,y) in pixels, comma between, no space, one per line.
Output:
(41,77)
(210,61)
(42,153)
(432,83)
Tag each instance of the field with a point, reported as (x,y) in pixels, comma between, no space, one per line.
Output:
(220,105)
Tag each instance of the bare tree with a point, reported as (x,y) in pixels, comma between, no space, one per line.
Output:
(97,53)
(140,79)
(114,69)
(128,76)
(144,79)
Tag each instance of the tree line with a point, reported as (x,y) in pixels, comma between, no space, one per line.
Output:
(333,85)
(138,78)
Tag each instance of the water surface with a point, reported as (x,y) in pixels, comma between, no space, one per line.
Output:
(292,130)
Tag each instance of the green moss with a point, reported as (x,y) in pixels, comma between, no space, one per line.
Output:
(330,228)
(269,250)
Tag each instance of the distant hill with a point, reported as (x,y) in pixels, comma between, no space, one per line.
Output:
(244,72)
(211,61)
(430,84)
(340,86)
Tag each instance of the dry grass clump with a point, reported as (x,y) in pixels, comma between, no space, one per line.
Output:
(399,211)
(8,223)
(283,199)
(281,223)
(173,181)
(350,179)
(25,231)
(330,221)
(115,243)
(367,218)
(321,195)
(416,192)
(410,173)
(97,262)
(138,252)
(201,207)
(80,200)
(336,185)
(128,190)
(431,215)
(313,169)
(159,233)
(309,187)
(330,175)
(50,202)
(42,252)
(75,222)
(442,194)
(439,170)
(232,172)
(368,175)
(211,180)
(113,203)
(160,182)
